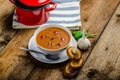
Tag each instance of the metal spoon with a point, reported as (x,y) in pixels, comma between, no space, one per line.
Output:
(52,57)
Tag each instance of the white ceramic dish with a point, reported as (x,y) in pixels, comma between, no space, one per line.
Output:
(40,57)
(52,51)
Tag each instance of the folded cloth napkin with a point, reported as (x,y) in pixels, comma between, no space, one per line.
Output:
(67,13)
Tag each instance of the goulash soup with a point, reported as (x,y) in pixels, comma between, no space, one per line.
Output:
(53,38)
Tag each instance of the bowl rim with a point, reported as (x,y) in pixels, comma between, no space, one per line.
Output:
(58,26)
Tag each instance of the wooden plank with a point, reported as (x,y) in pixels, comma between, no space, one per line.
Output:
(6,31)
(15,61)
(95,14)
(6,11)
(47,72)
(12,60)
(118,13)
(104,61)
(23,68)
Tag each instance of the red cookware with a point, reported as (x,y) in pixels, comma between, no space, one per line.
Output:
(33,12)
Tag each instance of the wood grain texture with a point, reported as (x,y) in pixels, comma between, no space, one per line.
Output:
(6,11)
(104,61)
(13,60)
(19,65)
(47,72)
(6,31)
(95,15)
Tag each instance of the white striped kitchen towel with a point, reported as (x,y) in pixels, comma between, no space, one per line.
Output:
(67,13)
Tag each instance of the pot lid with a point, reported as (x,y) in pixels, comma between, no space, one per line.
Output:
(34,2)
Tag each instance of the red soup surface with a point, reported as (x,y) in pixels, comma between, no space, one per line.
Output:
(53,38)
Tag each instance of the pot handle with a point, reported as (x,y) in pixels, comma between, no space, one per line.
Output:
(12,1)
(50,8)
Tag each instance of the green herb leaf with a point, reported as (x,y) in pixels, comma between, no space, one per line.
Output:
(78,34)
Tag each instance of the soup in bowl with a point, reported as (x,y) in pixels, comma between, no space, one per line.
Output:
(52,38)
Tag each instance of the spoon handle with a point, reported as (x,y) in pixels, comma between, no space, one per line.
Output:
(25,49)
(52,57)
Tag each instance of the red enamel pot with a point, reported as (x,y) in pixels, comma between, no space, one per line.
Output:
(33,12)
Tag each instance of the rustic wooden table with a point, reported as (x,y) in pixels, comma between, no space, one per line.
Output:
(101,61)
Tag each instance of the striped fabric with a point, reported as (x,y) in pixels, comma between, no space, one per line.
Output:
(67,13)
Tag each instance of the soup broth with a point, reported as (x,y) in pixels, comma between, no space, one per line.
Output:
(53,38)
